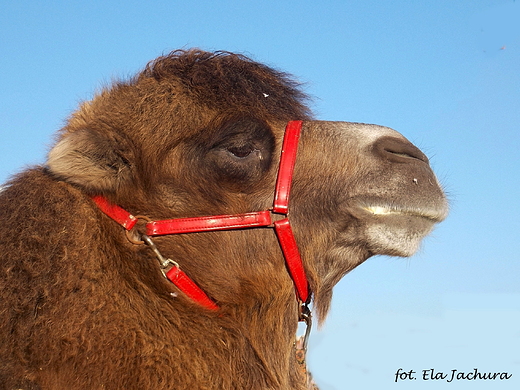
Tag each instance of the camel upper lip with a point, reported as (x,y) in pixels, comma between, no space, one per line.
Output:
(436,214)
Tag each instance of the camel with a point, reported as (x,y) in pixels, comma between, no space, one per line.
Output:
(186,220)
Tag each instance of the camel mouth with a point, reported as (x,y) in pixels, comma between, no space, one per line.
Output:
(434,215)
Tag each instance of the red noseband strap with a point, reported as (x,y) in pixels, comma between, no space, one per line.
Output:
(236,221)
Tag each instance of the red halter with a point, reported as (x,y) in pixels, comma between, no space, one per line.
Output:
(227,222)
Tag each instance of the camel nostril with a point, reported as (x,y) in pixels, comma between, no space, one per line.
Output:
(404,154)
(398,150)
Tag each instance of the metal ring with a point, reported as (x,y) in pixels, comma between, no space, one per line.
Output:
(133,235)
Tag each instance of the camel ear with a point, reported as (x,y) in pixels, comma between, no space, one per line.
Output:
(93,161)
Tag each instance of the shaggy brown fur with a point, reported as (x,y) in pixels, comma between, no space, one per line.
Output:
(194,134)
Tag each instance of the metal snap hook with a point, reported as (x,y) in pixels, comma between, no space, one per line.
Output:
(305,316)
(166,264)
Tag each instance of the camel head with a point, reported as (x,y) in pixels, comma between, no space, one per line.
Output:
(199,134)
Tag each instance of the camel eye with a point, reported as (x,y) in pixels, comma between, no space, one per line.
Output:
(241,151)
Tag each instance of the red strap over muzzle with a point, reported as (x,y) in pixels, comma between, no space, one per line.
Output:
(235,221)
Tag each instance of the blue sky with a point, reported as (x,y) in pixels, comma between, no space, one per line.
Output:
(444,73)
